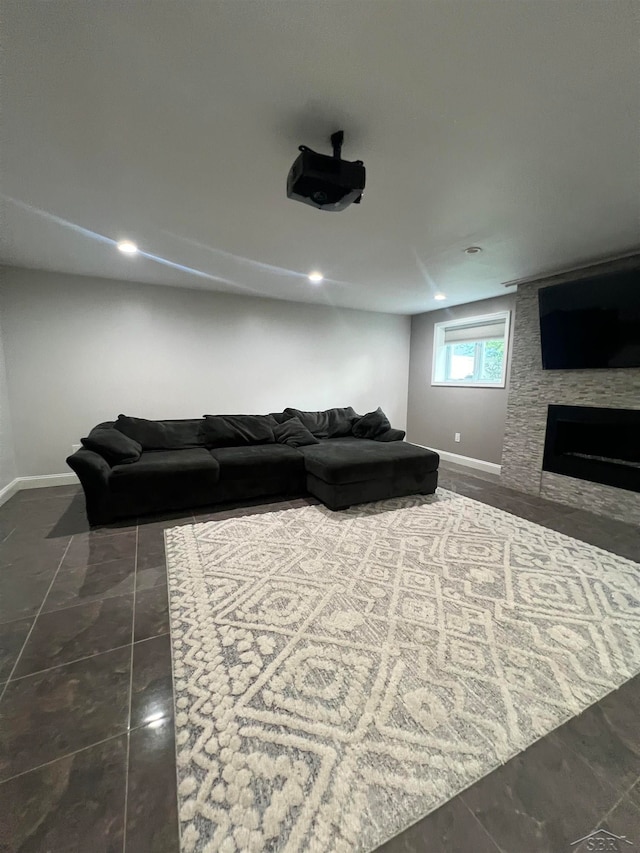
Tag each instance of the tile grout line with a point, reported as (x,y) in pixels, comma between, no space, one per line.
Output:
(70,606)
(60,758)
(100,562)
(78,751)
(617,803)
(173,693)
(35,619)
(479,822)
(597,771)
(105,532)
(133,634)
(13,530)
(70,662)
(153,636)
(632,786)
(82,604)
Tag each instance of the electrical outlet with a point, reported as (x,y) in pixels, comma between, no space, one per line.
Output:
(456,437)
(75,447)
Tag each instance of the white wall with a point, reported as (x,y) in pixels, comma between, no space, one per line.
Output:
(7,453)
(81,350)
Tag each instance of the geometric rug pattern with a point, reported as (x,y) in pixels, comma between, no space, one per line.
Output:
(338,675)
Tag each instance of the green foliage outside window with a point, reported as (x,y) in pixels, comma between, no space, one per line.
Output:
(476,360)
(493,359)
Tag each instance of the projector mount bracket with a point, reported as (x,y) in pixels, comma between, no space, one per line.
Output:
(337,139)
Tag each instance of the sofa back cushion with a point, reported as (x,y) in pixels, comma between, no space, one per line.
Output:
(236,430)
(330,423)
(112,445)
(371,425)
(163,435)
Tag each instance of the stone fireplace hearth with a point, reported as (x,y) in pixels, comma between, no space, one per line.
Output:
(532,391)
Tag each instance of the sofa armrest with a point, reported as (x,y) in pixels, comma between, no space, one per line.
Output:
(93,472)
(391,435)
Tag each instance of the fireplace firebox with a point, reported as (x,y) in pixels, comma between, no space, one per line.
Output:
(595,444)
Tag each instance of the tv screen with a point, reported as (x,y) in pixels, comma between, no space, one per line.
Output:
(593,323)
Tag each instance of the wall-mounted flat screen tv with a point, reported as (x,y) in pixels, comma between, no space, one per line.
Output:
(591,323)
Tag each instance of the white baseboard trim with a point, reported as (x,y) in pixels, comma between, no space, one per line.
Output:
(468,461)
(45,480)
(8,491)
(38,482)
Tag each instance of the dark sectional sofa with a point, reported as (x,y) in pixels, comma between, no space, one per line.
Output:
(132,467)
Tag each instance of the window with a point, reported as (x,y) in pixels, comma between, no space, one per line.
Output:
(471,351)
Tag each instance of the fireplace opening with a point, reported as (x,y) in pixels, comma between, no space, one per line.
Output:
(599,445)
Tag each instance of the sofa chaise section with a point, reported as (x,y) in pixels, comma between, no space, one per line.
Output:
(345,471)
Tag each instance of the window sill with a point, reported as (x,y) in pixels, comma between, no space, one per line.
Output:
(470,384)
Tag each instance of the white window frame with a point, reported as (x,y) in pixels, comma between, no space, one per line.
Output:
(438,349)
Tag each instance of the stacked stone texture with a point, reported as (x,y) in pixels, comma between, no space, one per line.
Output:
(533,389)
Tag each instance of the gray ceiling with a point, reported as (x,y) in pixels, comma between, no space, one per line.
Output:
(510,124)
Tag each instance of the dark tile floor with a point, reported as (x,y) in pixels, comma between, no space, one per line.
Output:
(87,759)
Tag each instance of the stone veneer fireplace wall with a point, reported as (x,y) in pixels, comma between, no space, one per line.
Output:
(533,389)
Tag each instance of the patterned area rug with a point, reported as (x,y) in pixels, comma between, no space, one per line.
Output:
(340,675)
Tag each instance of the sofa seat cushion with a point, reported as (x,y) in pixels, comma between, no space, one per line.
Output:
(258,461)
(167,471)
(355,460)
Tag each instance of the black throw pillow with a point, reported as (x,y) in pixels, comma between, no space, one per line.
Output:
(236,430)
(371,425)
(294,433)
(113,446)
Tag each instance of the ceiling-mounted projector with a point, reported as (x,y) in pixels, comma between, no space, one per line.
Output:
(326,181)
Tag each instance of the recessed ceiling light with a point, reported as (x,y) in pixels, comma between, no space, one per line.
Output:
(316,277)
(439,296)
(472,250)
(127,247)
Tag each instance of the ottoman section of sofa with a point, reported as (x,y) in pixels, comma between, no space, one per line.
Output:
(345,471)
(338,461)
